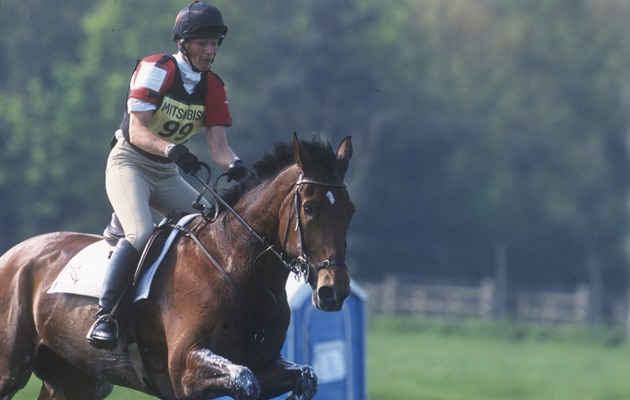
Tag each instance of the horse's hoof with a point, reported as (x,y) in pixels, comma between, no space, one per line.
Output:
(308,384)
(245,384)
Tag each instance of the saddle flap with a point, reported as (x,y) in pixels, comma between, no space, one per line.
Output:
(156,250)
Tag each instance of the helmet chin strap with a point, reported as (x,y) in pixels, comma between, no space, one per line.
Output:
(182,48)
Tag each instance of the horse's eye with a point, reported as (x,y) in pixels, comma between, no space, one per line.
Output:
(308,210)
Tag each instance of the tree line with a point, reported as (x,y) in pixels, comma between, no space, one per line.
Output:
(477,124)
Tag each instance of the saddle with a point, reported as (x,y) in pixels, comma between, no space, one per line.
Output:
(114,232)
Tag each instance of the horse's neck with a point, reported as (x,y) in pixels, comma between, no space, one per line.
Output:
(262,207)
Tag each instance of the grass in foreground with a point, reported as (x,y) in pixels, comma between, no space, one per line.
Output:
(431,360)
(31,392)
(424,359)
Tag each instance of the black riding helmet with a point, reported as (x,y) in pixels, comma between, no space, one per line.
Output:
(198,20)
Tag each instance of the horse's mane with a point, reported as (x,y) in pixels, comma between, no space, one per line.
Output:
(280,157)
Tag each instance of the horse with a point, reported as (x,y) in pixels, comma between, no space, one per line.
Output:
(199,332)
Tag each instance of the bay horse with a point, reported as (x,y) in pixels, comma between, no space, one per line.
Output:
(199,336)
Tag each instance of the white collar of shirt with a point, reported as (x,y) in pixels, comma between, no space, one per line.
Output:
(190,77)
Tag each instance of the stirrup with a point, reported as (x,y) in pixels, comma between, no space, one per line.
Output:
(99,343)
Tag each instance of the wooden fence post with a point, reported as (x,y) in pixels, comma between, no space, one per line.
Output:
(596,289)
(419,301)
(487,298)
(389,293)
(582,302)
(501,285)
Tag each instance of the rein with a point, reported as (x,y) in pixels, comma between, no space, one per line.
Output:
(300,267)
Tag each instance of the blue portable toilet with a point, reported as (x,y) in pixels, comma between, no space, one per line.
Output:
(333,343)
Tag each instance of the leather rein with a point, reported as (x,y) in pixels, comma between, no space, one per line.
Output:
(300,266)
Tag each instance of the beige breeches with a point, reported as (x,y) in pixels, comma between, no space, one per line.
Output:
(135,185)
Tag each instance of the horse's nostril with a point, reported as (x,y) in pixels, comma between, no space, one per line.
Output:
(326,294)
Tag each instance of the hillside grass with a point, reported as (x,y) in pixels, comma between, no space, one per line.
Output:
(409,359)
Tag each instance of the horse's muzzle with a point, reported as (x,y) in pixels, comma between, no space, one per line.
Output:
(328,298)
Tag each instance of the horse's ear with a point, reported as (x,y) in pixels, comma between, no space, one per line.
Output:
(302,158)
(344,154)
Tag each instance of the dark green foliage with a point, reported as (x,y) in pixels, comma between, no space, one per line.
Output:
(475,123)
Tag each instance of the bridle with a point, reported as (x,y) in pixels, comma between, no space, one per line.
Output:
(300,266)
(303,263)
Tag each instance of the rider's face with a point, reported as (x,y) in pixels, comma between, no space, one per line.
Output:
(202,52)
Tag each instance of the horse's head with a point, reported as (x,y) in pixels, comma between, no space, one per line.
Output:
(324,210)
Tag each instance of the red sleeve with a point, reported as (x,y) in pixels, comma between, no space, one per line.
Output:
(150,81)
(217,109)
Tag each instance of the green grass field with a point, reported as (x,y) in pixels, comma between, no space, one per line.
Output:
(435,360)
(431,360)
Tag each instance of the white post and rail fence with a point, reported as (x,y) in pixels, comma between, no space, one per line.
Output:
(488,299)
(495,298)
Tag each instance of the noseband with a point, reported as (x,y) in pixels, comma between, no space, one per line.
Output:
(302,265)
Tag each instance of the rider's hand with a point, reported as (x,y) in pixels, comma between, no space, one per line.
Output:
(238,170)
(184,159)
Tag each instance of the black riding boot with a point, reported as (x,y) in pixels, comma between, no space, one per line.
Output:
(120,272)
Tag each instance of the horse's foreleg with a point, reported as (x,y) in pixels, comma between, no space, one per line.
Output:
(283,376)
(209,375)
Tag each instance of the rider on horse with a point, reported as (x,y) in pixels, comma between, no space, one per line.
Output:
(171,97)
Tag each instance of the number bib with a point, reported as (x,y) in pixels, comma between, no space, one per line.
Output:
(176,121)
(179,114)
